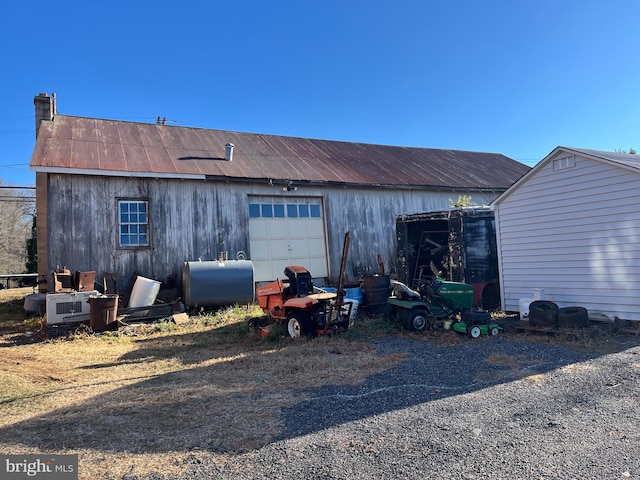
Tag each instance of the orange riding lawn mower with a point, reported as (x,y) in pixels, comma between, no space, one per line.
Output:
(306,310)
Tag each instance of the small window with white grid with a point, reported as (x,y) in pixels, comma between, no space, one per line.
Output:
(133,223)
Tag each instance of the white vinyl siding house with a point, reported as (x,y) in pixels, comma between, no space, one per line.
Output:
(571,226)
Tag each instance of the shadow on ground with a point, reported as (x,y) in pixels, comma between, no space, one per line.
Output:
(232,400)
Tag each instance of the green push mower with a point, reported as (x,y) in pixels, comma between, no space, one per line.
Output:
(440,303)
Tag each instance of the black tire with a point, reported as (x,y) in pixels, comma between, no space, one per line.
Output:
(543,313)
(417,320)
(299,325)
(573,317)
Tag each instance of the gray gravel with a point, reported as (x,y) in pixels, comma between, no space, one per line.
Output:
(535,410)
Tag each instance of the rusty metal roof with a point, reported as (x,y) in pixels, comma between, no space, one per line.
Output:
(109,147)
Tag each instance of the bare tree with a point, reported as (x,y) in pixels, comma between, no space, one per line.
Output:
(632,151)
(16,218)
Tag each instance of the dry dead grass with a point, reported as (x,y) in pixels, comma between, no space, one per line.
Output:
(150,399)
(537,378)
(13,318)
(511,367)
(10,294)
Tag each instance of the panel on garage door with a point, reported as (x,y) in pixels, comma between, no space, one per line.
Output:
(286,231)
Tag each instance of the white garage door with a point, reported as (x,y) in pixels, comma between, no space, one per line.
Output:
(286,231)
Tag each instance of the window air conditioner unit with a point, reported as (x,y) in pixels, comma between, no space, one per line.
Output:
(68,307)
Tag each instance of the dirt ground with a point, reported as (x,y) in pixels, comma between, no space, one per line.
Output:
(126,398)
(150,397)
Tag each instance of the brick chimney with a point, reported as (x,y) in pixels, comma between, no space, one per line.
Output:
(45,108)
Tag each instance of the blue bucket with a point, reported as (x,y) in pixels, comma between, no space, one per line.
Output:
(354,294)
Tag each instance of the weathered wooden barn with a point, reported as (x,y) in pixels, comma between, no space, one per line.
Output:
(571,227)
(130,197)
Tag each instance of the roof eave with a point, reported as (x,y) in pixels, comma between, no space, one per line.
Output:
(268,181)
(114,173)
(552,155)
(317,183)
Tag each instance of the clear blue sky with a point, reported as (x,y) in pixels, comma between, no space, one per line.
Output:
(517,77)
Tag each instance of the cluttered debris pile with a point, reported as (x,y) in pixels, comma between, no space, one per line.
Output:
(440,304)
(306,310)
(78,298)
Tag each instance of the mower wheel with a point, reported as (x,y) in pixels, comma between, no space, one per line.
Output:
(417,320)
(475,332)
(495,331)
(299,324)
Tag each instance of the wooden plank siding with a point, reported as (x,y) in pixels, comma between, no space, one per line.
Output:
(575,232)
(195,219)
(198,195)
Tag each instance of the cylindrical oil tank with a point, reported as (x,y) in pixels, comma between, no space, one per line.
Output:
(217,283)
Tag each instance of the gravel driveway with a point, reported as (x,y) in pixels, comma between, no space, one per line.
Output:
(504,408)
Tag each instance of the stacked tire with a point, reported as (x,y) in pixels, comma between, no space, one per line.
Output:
(573,317)
(543,313)
(547,314)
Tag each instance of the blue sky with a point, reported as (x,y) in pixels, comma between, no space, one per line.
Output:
(514,77)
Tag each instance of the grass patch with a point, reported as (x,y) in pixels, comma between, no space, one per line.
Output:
(153,395)
(150,397)
(13,318)
(370,327)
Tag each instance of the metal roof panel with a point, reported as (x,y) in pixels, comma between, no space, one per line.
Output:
(85,143)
